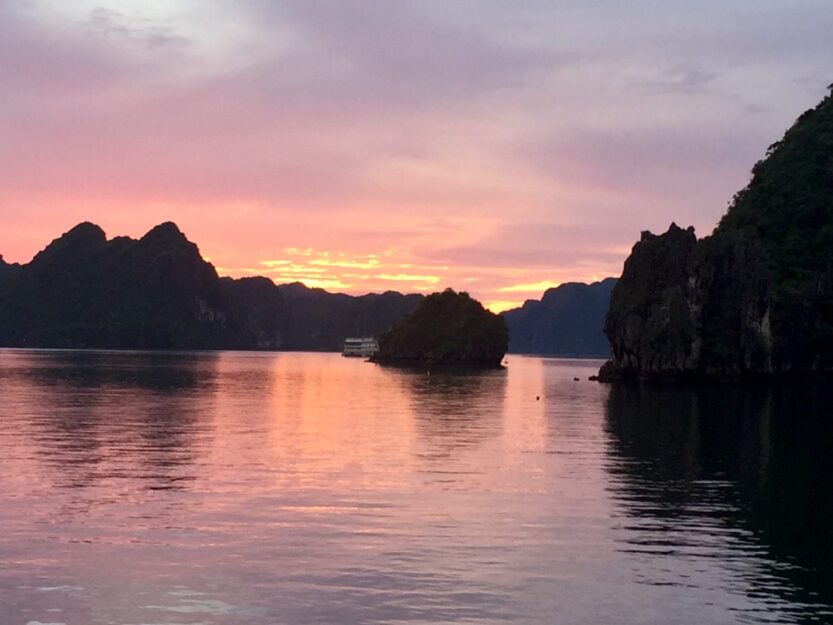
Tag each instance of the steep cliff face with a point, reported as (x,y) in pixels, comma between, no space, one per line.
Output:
(753,299)
(653,315)
(689,308)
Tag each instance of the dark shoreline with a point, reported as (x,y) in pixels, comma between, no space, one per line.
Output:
(704,379)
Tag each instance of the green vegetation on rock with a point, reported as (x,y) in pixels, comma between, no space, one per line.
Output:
(446,328)
(754,298)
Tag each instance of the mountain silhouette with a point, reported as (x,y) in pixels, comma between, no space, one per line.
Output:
(567,321)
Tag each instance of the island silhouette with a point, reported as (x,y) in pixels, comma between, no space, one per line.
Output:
(84,291)
(755,298)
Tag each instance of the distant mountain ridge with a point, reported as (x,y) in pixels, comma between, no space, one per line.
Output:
(317,320)
(157,292)
(567,321)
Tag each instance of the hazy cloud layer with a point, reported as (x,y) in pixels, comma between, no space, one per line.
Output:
(482,145)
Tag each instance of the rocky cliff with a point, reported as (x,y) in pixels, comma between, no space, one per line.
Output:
(753,299)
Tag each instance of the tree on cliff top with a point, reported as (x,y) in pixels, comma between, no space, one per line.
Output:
(788,204)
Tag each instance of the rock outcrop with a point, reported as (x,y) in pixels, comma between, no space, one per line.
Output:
(753,299)
(446,329)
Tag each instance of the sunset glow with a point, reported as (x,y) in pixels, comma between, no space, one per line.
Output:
(371,146)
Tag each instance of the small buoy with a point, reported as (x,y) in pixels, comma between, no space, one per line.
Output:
(537,397)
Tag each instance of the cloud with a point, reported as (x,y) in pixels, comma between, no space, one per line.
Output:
(533,287)
(680,79)
(490,145)
(401,55)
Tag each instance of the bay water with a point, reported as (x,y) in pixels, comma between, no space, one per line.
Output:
(271,488)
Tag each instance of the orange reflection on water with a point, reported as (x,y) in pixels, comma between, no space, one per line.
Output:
(250,487)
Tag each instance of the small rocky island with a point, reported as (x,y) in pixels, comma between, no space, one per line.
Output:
(446,329)
(754,299)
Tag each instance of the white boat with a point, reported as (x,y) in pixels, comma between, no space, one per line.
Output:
(360,347)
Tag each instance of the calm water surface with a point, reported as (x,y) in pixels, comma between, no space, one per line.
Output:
(229,488)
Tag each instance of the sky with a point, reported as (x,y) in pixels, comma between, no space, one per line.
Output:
(497,147)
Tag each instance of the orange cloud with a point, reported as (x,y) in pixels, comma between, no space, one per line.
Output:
(532,287)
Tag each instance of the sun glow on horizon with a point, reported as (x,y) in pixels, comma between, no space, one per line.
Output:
(354,273)
(500,306)
(390,270)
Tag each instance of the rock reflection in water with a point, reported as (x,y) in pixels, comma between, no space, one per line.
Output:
(78,423)
(732,473)
(242,489)
(454,411)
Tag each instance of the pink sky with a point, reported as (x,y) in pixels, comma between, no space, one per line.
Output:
(498,148)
